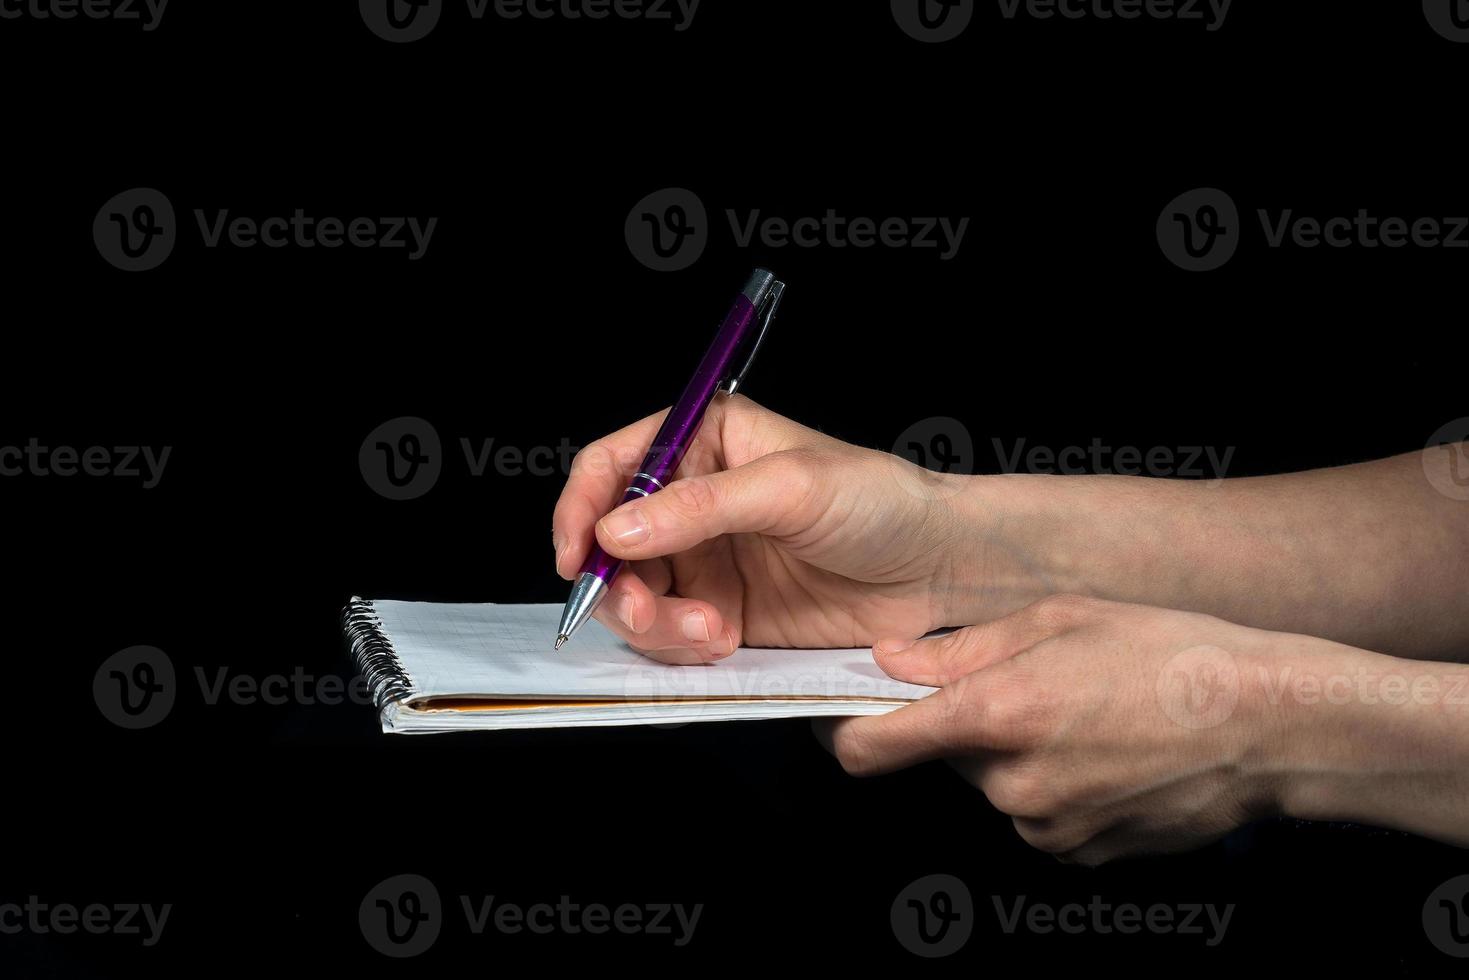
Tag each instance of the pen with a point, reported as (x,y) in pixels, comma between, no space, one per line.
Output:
(723,368)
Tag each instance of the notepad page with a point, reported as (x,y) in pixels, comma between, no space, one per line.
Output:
(505,651)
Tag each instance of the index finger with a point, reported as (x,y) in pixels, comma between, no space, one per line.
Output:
(917,732)
(963,718)
(599,476)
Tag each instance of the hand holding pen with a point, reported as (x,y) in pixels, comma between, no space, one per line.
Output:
(774,534)
(723,368)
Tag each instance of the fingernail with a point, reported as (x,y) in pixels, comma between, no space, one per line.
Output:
(624,609)
(893,646)
(726,645)
(626,526)
(560,547)
(696,627)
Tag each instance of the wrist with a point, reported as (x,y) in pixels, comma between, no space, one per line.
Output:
(1357,736)
(1023,537)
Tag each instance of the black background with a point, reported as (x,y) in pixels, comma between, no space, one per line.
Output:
(529,321)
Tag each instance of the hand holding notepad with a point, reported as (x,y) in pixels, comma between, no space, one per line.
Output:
(443,667)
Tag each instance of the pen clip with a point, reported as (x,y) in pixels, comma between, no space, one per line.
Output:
(764,315)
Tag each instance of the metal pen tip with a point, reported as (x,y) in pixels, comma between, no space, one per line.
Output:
(561,640)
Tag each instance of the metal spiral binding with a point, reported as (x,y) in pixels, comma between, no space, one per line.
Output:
(377,661)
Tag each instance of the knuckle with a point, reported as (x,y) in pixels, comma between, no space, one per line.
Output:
(1066,609)
(1019,793)
(955,642)
(798,474)
(939,658)
(1019,714)
(690,500)
(958,714)
(594,459)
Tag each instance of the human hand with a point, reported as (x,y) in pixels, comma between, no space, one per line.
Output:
(772,535)
(1106,729)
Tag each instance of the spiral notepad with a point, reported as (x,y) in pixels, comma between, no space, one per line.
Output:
(446,667)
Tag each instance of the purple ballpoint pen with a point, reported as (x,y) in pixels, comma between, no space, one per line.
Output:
(723,367)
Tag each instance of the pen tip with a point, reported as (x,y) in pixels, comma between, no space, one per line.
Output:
(561,640)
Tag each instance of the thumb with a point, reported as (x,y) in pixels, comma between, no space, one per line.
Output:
(939,660)
(775,494)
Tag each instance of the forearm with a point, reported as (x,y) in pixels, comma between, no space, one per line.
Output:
(1355,736)
(1373,555)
